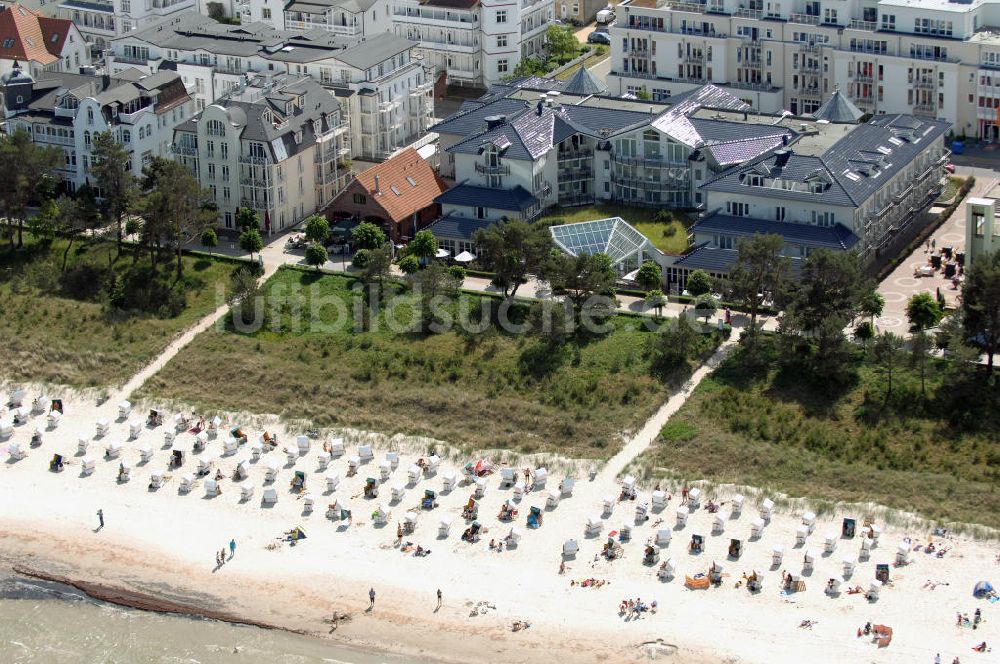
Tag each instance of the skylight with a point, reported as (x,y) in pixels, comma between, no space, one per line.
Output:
(853,177)
(884,150)
(413,183)
(395,190)
(896,141)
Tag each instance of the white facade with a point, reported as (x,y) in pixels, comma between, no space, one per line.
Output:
(479,42)
(100,21)
(928,58)
(64,50)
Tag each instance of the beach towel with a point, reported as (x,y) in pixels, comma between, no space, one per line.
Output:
(194,430)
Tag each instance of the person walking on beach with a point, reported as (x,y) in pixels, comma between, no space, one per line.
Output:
(222,556)
(100,518)
(439,599)
(937,658)
(232,548)
(371,599)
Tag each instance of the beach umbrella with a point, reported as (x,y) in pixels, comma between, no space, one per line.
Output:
(465,257)
(982,589)
(442,253)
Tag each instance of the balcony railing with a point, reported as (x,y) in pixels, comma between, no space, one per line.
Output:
(639,52)
(250,159)
(492,170)
(804,19)
(694,58)
(809,68)
(565,155)
(749,13)
(575,173)
(924,83)
(808,47)
(868,26)
(860,77)
(693,7)
(184,150)
(131,59)
(925,109)
(810,92)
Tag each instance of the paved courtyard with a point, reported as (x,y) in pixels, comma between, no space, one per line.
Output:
(901,285)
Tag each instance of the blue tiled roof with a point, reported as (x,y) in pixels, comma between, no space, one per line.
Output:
(718,261)
(457,228)
(471,119)
(517,199)
(831,237)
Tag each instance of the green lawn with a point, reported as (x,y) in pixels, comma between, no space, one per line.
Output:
(479,391)
(950,189)
(56,329)
(668,237)
(939,457)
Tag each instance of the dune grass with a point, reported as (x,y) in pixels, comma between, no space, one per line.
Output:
(937,456)
(475,390)
(61,333)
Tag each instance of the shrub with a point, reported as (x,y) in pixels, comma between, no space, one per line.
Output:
(457,272)
(362,259)
(409,264)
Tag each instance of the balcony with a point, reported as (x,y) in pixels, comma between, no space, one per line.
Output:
(185,150)
(867,26)
(568,155)
(925,109)
(569,174)
(492,170)
(924,83)
(570,200)
(252,159)
(749,13)
(323,179)
(860,77)
(131,59)
(255,182)
(652,28)
(803,19)
(813,92)
(638,52)
(809,47)
(693,7)
(694,58)
(809,68)
(256,205)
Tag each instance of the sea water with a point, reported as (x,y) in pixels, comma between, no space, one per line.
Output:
(46,623)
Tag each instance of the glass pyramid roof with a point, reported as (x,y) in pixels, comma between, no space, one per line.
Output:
(612,236)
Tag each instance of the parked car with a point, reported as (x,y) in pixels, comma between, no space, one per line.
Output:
(598,38)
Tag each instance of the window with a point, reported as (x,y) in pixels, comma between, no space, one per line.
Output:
(90,116)
(502,66)
(480,213)
(142,133)
(360,199)
(725,242)
(126,136)
(888,21)
(779,213)
(501,16)
(126,26)
(226,193)
(216,128)
(224,150)
(126,5)
(738,209)
(501,41)
(8,43)
(211,171)
(265,13)
(225,173)
(86,138)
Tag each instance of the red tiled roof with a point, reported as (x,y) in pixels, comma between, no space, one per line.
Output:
(27,35)
(393,177)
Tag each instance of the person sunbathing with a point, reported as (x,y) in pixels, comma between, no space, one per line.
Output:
(981,647)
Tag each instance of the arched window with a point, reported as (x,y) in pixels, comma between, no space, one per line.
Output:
(216,128)
(90,116)
(142,133)
(86,138)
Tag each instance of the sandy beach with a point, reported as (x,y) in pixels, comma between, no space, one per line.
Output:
(163,543)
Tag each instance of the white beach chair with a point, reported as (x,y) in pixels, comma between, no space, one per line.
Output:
(201,439)
(17,396)
(16,452)
(594,526)
(21,414)
(830,542)
(659,500)
(365,453)
(41,404)
(766,509)
(513,537)
(168,438)
(336,447)
(808,560)
(694,498)
(444,525)
(229,446)
(398,491)
(269,497)
(715,571)
(304,444)
(668,569)
(180,422)
(518,490)
(134,429)
(738,504)
(507,477)
(833,587)
(809,521)
(146,453)
(353,463)
(124,408)
(433,463)
(187,482)
(449,480)
(480,484)
(413,474)
(718,523)
(410,521)
(271,470)
(291,455)
(608,503)
(324,460)
(902,553)
(539,479)
(682,515)
(54,418)
(256,450)
(777,553)
(866,548)
(308,502)
(570,548)
(566,486)
(113,450)
(876,532)
(124,471)
(156,479)
(332,480)
(211,488)
(757,528)
(384,470)
(246,491)
(103,427)
(382,515)
(801,533)
(552,498)
(37,435)
(628,484)
(82,444)
(87,465)
(393,459)
(625,532)
(663,537)
(849,564)
(641,512)
(873,590)
(6,429)
(213,426)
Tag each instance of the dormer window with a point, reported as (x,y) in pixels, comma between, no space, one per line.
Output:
(754,180)
(816,187)
(298,137)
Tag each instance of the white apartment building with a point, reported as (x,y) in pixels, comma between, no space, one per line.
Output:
(474,42)
(354,19)
(928,58)
(385,92)
(274,145)
(100,21)
(69,110)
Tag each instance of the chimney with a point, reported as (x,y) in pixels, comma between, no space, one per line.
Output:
(784,139)
(494,121)
(377,186)
(780,157)
(105,81)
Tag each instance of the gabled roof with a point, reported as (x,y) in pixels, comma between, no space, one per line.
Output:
(676,123)
(28,36)
(517,199)
(584,83)
(837,237)
(406,184)
(471,117)
(372,51)
(838,109)
(526,137)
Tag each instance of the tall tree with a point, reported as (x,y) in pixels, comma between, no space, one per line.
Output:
(76,216)
(921,345)
(379,267)
(888,347)
(511,249)
(760,273)
(180,206)
(872,304)
(981,305)
(247,218)
(831,287)
(251,241)
(318,229)
(424,245)
(27,170)
(367,235)
(923,311)
(111,167)
(579,277)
